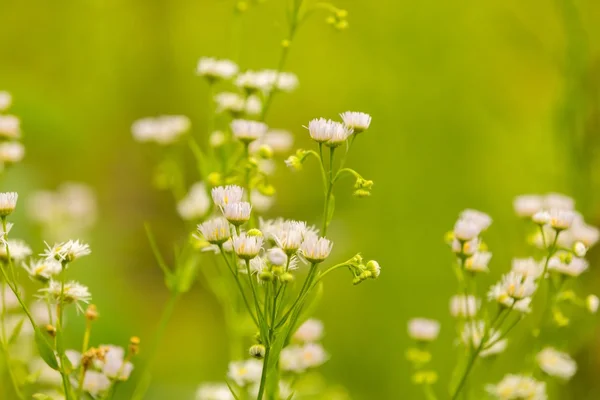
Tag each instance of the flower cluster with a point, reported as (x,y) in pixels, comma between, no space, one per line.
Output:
(11,149)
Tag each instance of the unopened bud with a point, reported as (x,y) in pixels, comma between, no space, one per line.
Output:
(254,232)
(214,179)
(374,268)
(51,330)
(265,151)
(91,313)
(257,351)
(266,276)
(286,277)
(134,345)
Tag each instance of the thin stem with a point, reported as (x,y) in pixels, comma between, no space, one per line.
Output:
(263,377)
(239,285)
(329,192)
(84,347)
(283,319)
(144,382)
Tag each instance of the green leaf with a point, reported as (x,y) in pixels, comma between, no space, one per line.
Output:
(330,209)
(158,256)
(45,350)
(15,333)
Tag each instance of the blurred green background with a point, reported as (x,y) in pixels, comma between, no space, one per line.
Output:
(472,102)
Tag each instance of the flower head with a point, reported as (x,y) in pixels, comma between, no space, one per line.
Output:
(423,330)
(10,127)
(315,249)
(223,195)
(478,262)
(357,121)
(245,372)
(72,293)
(95,383)
(164,130)
(527,267)
(213,69)
(67,252)
(114,365)
(556,363)
(465,230)
(481,220)
(527,205)
(247,246)
(214,391)
(215,231)
(237,213)
(592,302)
(248,131)
(564,265)
(329,132)
(8,203)
(5,100)
(561,219)
(19,250)
(310,331)
(299,358)
(43,269)
(11,152)
(518,387)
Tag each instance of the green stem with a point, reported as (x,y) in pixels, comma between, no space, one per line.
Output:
(326,218)
(60,349)
(239,285)
(144,382)
(5,348)
(263,376)
(305,286)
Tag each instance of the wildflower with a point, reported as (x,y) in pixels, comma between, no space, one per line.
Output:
(223,195)
(277,257)
(230,102)
(579,249)
(467,248)
(423,330)
(95,383)
(573,267)
(474,332)
(478,262)
(8,203)
(315,249)
(328,132)
(527,267)
(257,351)
(11,152)
(561,219)
(245,372)
(163,130)
(518,387)
(247,246)
(215,231)
(214,69)
(374,268)
(558,201)
(518,286)
(237,213)
(114,366)
(358,122)
(19,250)
(592,302)
(480,219)
(310,331)
(499,293)
(288,234)
(556,363)
(196,204)
(541,217)
(248,131)
(67,252)
(73,293)
(526,206)
(465,230)
(214,391)
(43,269)
(5,100)
(462,306)
(286,81)
(586,234)
(296,358)
(10,127)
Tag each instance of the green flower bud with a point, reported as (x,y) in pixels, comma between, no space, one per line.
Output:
(286,277)
(254,232)
(265,151)
(266,276)
(257,351)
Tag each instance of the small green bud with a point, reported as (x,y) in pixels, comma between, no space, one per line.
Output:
(278,269)
(252,163)
(425,377)
(257,338)
(257,351)
(331,20)
(374,268)
(560,319)
(342,25)
(365,275)
(265,151)
(266,276)
(254,232)
(566,257)
(341,14)
(286,277)
(361,193)
(294,163)
(214,179)
(356,280)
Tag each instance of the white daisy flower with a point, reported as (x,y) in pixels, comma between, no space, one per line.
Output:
(8,203)
(465,230)
(215,231)
(357,121)
(556,363)
(287,234)
(423,330)
(11,152)
(247,131)
(296,358)
(518,387)
(526,206)
(468,248)
(527,267)
(245,372)
(574,268)
(561,219)
(586,234)
(233,103)
(498,293)
(237,213)
(67,252)
(309,332)
(541,217)
(478,262)
(19,250)
(592,302)
(558,201)
(462,306)
(163,130)
(329,132)
(315,249)
(518,286)
(74,293)
(278,140)
(247,246)
(43,269)
(223,195)
(114,365)
(481,220)
(95,383)
(196,204)
(286,81)
(214,391)
(214,69)
(10,127)
(5,100)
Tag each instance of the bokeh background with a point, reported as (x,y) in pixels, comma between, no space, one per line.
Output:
(472,102)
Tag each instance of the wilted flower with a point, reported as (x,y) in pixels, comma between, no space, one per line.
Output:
(556,363)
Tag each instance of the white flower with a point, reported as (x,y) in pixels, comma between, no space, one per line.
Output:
(114,365)
(586,234)
(10,127)
(527,267)
(212,68)
(277,256)
(310,331)
(43,269)
(11,152)
(230,102)
(19,250)
(5,100)
(592,302)
(465,230)
(518,286)
(286,81)
(8,300)
(248,131)
(357,121)
(526,206)
(558,201)
(287,234)
(215,231)
(74,293)
(260,202)
(296,358)
(95,383)
(237,213)
(267,80)
(315,249)
(556,363)
(196,204)
(574,268)
(464,306)
(474,332)
(245,372)
(561,219)
(214,391)
(163,130)
(223,195)
(481,220)
(478,262)
(541,217)
(518,387)
(67,252)
(8,203)
(329,132)
(246,246)
(468,248)
(424,330)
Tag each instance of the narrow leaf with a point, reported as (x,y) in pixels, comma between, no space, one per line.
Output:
(45,350)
